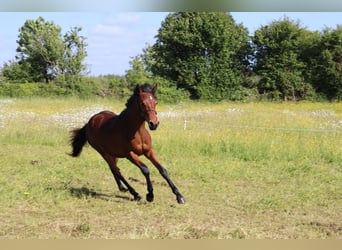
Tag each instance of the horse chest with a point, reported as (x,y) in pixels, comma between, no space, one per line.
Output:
(141,143)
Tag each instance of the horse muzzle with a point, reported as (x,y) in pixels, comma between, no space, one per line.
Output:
(153,125)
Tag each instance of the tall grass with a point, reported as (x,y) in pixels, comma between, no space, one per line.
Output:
(256,170)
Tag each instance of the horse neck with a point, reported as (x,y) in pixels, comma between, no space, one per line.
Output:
(133,118)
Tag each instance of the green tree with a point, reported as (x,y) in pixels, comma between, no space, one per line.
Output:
(43,53)
(40,44)
(278,60)
(309,44)
(327,65)
(202,53)
(74,53)
(137,74)
(18,72)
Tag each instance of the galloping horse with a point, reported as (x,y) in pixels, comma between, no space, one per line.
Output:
(125,136)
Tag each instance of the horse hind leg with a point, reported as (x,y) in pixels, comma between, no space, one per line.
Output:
(118,182)
(117,177)
(112,162)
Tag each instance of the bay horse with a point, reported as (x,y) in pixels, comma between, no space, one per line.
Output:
(125,136)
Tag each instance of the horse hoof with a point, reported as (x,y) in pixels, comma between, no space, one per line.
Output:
(149,197)
(180,200)
(137,197)
(122,189)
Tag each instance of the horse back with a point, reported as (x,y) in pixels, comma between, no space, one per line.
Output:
(99,119)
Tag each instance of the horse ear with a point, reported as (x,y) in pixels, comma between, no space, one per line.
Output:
(154,90)
(137,89)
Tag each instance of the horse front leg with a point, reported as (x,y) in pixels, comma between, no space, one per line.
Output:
(146,172)
(153,158)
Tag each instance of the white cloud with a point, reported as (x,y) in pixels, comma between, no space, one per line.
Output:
(107,30)
(116,39)
(117,25)
(126,18)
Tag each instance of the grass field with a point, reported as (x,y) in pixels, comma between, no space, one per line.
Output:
(247,171)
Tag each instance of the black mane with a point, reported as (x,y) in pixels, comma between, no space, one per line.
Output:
(147,88)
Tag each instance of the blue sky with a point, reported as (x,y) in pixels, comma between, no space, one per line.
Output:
(115,37)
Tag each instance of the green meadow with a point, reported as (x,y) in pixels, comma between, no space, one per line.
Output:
(246,170)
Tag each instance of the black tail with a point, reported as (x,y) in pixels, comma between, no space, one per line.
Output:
(78,140)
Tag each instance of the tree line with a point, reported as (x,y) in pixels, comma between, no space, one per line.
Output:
(196,55)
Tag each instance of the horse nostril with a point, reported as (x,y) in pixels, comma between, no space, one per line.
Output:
(153,125)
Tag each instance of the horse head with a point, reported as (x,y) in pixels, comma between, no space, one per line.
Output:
(147,104)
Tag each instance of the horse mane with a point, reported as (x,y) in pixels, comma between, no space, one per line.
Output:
(147,88)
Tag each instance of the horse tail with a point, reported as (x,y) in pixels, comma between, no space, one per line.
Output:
(78,140)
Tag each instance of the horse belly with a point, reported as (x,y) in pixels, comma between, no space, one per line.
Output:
(108,143)
(117,147)
(120,145)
